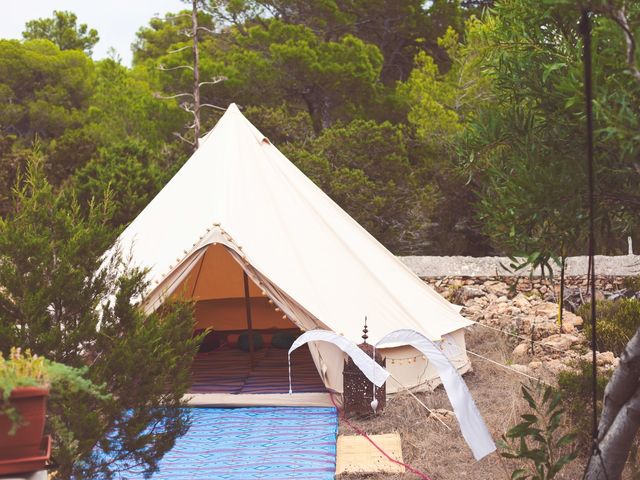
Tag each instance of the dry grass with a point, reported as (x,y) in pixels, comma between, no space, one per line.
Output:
(443,454)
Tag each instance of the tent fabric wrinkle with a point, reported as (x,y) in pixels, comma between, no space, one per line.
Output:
(473,428)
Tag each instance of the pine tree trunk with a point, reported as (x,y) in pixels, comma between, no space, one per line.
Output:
(620,417)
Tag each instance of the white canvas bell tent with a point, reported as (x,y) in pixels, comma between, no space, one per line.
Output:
(239,205)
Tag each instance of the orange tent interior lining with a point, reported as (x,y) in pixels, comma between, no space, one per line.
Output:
(216,284)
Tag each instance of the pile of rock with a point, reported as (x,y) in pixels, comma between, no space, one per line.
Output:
(529,309)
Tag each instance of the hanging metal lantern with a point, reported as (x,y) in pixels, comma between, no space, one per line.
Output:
(361,396)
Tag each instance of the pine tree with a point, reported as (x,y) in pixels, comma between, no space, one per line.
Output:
(58,299)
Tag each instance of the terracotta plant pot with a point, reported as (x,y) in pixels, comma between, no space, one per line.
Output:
(30,402)
(28,464)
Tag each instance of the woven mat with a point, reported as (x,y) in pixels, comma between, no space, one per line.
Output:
(357,455)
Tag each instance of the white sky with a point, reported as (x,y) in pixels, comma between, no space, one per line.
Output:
(117,21)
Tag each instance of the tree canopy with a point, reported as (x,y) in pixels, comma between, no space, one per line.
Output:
(444,127)
(64,31)
(488,110)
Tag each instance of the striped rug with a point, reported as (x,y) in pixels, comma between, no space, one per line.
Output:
(266,443)
(228,370)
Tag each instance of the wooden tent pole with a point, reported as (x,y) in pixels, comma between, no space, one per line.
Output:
(247,302)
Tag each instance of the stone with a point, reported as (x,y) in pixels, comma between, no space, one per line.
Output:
(468,292)
(605,358)
(521,302)
(496,287)
(571,318)
(556,366)
(561,341)
(521,350)
(535,365)
(587,357)
(543,327)
(549,310)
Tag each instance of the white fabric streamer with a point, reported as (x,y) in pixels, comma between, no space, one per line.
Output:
(472,425)
(374,372)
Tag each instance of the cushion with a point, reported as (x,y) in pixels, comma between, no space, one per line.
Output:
(210,342)
(243,341)
(283,340)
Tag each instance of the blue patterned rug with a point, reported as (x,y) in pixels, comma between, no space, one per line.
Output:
(265,443)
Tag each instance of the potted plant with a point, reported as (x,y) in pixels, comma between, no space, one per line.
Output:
(25,380)
(24,387)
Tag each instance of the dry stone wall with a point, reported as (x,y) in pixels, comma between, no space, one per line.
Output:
(428,267)
(528,307)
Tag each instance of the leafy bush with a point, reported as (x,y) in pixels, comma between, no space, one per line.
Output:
(575,388)
(632,283)
(617,321)
(534,439)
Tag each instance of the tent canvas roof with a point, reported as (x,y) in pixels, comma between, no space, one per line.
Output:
(239,190)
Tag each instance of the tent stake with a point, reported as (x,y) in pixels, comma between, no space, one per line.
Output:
(247,302)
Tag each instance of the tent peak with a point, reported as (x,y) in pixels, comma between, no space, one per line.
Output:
(233,107)
(234,116)
(234,110)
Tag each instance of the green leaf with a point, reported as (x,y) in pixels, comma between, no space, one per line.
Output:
(557,398)
(527,396)
(502,442)
(554,421)
(551,68)
(520,430)
(509,455)
(567,439)
(564,460)
(519,474)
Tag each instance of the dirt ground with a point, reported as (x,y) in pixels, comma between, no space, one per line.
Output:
(442,454)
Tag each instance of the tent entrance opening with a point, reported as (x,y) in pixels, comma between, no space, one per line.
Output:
(225,363)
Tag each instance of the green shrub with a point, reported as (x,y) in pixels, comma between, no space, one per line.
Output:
(632,283)
(575,388)
(617,321)
(537,440)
